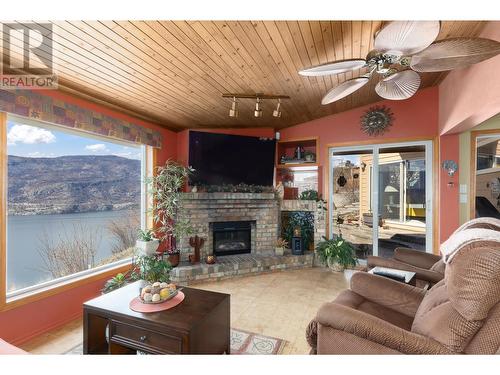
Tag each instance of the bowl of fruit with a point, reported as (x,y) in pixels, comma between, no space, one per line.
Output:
(158,292)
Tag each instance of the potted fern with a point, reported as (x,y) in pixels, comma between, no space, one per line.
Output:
(336,253)
(165,189)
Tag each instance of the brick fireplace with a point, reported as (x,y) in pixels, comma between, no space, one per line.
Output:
(226,216)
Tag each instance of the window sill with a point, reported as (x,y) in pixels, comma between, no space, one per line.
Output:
(21,297)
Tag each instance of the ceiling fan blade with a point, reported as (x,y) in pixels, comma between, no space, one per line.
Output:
(344,89)
(454,53)
(406,37)
(335,67)
(399,86)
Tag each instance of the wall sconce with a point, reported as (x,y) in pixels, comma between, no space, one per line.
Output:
(450,167)
(363,166)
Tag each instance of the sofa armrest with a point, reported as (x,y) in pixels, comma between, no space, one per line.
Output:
(392,294)
(377,330)
(415,257)
(421,273)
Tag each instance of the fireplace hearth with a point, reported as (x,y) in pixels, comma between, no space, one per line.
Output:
(232,237)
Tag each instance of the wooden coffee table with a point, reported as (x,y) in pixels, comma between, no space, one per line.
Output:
(199,325)
(406,277)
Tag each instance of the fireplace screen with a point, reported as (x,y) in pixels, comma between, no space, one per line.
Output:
(232,237)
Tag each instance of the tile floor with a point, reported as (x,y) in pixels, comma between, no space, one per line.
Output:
(278,304)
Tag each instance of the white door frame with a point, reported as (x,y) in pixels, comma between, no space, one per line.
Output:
(375,148)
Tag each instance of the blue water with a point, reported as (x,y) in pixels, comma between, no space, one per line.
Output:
(24,235)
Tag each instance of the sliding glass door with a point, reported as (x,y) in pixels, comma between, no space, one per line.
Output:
(386,198)
(351,199)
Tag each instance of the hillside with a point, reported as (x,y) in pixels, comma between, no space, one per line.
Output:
(70,184)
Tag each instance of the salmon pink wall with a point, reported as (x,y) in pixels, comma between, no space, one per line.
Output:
(25,322)
(448,187)
(183,138)
(467,97)
(22,323)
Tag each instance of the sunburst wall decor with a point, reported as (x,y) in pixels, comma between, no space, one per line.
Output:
(377,120)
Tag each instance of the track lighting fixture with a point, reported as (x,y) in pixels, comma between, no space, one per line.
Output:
(258,110)
(233,112)
(277,111)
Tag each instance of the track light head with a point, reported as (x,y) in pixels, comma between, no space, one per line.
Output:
(277,111)
(233,112)
(258,109)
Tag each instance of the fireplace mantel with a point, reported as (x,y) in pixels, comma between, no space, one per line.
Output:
(204,209)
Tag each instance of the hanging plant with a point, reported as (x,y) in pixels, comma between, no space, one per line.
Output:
(377,120)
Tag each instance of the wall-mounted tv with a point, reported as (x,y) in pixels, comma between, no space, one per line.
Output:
(231,159)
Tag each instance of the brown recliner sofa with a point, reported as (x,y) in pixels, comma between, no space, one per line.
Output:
(460,314)
(429,268)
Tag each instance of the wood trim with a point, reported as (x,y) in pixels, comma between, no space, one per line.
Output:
(435,149)
(36,296)
(377,142)
(286,166)
(292,140)
(435,199)
(3,209)
(150,168)
(23,300)
(472,167)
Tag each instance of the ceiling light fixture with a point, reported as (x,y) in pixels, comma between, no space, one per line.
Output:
(258,110)
(277,111)
(233,112)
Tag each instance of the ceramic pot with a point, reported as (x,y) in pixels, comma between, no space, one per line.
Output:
(334,266)
(147,248)
(174,259)
(279,251)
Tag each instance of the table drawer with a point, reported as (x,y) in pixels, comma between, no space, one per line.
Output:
(124,333)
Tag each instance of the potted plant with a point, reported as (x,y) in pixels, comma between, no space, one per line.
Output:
(165,187)
(153,268)
(336,253)
(146,243)
(280,246)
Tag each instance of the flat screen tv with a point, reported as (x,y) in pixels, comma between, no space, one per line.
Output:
(230,159)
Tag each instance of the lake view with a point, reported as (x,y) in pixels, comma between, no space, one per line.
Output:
(25,236)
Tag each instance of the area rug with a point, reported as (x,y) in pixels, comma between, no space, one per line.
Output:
(242,342)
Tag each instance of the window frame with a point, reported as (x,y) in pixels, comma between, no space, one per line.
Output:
(59,285)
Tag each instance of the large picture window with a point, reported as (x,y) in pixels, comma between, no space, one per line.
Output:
(74,203)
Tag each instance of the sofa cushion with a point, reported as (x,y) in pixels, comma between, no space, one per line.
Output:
(355,301)
(487,339)
(473,279)
(436,318)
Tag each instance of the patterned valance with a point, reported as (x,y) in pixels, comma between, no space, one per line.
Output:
(45,108)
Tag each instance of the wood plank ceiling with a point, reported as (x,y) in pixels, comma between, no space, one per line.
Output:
(173,73)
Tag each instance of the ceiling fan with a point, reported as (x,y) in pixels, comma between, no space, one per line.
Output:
(403,48)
